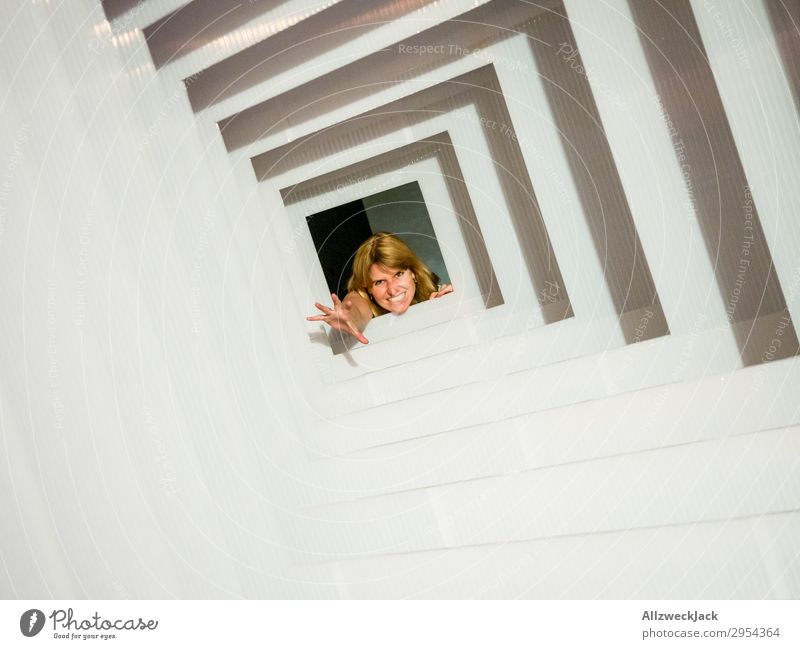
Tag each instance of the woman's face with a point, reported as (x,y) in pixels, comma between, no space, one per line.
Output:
(392,288)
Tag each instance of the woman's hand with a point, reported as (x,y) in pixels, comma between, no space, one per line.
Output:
(339,317)
(444,289)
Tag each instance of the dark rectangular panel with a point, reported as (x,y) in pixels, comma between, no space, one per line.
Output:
(785,19)
(337,233)
(714,175)
(115,8)
(199,23)
(596,178)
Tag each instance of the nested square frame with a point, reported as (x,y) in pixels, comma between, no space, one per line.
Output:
(465,301)
(477,166)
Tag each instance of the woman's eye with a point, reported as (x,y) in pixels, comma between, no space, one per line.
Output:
(399,273)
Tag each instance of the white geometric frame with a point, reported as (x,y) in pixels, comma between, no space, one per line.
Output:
(428,173)
(476,163)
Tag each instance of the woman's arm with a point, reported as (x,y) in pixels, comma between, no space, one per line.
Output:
(351,315)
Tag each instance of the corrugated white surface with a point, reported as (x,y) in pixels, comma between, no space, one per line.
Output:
(126,455)
(657,417)
(740,558)
(686,483)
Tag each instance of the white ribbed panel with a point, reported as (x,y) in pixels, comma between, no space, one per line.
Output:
(741,558)
(114,356)
(666,415)
(548,385)
(713,480)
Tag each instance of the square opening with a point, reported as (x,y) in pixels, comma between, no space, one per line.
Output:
(417,192)
(337,232)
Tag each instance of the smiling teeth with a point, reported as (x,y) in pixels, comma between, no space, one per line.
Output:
(397,297)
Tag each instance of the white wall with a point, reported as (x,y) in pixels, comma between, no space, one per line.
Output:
(142,422)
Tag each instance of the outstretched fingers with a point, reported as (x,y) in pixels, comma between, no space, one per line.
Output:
(444,290)
(326,310)
(338,317)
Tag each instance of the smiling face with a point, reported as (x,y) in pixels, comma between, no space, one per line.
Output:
(392,288)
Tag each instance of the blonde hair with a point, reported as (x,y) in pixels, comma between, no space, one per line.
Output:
(385,249)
